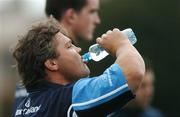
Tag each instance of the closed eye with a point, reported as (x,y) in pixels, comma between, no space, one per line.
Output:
(69,44)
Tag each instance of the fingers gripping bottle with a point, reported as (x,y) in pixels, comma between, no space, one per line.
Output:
(97,53)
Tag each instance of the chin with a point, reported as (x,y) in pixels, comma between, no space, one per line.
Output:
(86,73)
(88,37)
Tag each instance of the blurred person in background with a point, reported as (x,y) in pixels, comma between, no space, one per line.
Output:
(141,106)
(52,71)
(78,17)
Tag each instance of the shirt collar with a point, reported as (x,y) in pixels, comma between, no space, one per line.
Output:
(44,85)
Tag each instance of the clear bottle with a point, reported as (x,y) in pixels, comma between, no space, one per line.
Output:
(97,53)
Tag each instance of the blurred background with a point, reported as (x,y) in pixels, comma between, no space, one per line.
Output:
(156,24)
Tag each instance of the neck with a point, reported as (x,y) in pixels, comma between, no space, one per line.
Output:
(69,30)
(56,78)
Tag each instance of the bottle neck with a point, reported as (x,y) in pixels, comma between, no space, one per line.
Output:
(86,57)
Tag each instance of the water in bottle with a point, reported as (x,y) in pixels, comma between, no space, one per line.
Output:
(97,53)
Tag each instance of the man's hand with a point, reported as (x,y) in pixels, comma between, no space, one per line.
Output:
(112,40)
(127,57)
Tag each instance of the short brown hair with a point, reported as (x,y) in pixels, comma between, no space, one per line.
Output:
(58,7)
(33,49)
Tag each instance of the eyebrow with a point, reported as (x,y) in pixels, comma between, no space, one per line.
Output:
(94,10)
(70,41)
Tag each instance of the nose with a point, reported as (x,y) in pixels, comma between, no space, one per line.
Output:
(78,49)
(98,20)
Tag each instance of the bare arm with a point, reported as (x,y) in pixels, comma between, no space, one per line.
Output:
(127,57)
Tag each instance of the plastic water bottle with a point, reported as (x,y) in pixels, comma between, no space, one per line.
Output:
(97,53)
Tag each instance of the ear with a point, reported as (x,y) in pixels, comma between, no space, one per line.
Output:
(51,65)
(70,16)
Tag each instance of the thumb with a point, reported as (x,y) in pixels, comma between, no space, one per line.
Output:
(99,40)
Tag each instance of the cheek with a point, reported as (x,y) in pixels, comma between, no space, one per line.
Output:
(86,20)
(72,62)
(84,30)
(70,67)
(68,61)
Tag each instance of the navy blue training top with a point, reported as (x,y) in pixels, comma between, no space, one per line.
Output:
(88,97)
